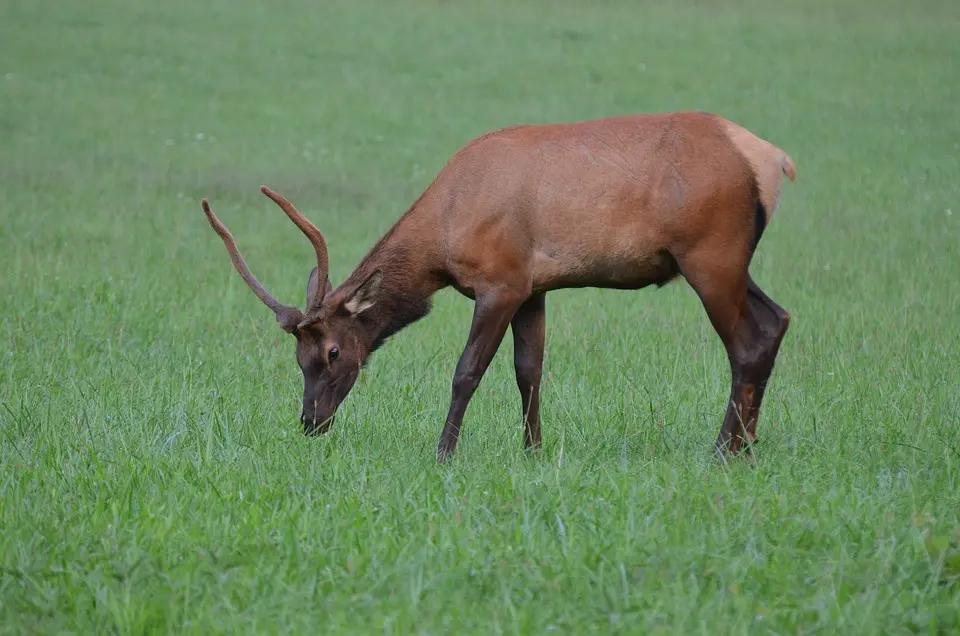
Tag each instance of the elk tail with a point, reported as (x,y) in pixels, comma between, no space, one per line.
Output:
(786,164)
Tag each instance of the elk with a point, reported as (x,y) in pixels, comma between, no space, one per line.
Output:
(619,203)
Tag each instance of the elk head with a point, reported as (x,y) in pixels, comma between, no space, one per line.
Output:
(332,334)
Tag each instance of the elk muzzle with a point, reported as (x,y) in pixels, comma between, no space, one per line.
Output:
(316,426)
(321,399)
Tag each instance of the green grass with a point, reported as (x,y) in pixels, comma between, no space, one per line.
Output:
(153,473)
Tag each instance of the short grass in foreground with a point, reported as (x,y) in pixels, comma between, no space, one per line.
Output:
(153,473)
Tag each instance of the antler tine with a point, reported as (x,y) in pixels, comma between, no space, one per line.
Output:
(285,313)
(312,233)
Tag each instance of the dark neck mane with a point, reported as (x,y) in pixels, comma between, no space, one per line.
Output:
(407,287)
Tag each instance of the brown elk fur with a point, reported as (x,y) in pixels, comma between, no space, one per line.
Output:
(621,202)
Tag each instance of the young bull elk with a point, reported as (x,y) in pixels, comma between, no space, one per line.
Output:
(618,203)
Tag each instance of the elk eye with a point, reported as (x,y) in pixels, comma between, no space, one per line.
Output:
(333,354)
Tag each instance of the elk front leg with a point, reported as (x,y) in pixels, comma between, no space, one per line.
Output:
(529,330)
(491,315)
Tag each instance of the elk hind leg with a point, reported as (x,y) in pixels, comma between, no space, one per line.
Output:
(769,323)
(751,327)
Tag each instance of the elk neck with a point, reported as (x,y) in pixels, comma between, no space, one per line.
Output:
(412,274)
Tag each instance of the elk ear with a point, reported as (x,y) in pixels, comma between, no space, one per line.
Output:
(366,295)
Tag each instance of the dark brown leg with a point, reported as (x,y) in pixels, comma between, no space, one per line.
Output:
(752,353)
(491,315)
(776,322)
(529,330)
(751,327)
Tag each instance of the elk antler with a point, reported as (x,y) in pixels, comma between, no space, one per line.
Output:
(315,237)
(287,316)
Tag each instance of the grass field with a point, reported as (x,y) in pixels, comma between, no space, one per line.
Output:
(154,477)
